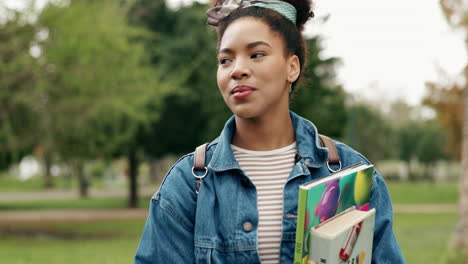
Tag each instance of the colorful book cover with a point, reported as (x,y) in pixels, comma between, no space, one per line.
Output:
(344,238)
(323,198)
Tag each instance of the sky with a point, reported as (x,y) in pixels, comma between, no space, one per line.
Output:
(389,49)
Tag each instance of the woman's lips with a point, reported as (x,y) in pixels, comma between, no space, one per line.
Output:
(241,92)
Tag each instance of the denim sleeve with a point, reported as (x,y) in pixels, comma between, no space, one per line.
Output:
(385,247)
(164,239)
(168,235)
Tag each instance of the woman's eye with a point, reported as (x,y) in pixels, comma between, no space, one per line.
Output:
(257,55)
(223,61)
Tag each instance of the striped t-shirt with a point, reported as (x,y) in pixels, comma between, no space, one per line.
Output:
(268,170)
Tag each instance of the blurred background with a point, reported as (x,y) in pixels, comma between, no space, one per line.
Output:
(98,98)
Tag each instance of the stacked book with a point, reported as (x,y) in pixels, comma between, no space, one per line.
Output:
(335,223)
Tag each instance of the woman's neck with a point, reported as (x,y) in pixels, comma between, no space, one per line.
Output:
(264,133)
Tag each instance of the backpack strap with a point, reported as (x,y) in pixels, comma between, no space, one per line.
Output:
(199,158)
(333,157)
(199,164)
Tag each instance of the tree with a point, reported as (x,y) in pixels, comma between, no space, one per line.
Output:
(447,100)
(370,133)
(182,50)
(95,82)
(456,13)
(319,98)
(17,75)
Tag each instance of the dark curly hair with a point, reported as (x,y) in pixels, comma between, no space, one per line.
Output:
(291,33)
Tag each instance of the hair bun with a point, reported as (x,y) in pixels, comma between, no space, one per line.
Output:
(304,12)
(311,14)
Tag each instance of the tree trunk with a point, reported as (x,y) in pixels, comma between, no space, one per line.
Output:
(461,232)
(48,183)
(133,174)
(82,181)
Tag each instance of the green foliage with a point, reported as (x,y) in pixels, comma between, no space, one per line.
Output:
(319,98)
(369,132)
(172,133)
(183,51)
(395,135)
(424,140)
(98,80)
(17,75)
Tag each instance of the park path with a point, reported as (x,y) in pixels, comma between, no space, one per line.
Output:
(12,216)
(116,214)
(73,194)
(7,217)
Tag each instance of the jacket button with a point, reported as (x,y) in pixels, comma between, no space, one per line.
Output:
(247,226)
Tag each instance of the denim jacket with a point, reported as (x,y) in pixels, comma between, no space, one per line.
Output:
(183,227)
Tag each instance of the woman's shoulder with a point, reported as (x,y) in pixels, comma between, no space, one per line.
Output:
(176,178)
(348,155)
(179,179)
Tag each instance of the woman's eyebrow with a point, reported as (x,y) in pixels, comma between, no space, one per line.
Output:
(249,46)
(257,43)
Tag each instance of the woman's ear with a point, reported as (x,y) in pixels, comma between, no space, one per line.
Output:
(294,68)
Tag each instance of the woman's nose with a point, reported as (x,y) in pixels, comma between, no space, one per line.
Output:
(240,70)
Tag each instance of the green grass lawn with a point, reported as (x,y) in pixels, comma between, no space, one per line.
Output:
(423,193)
(10,184)
(424,238)
(112,242)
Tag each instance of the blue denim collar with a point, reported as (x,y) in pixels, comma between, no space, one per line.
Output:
(313,154)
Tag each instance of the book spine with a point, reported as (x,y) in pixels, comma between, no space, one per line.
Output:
(301,211)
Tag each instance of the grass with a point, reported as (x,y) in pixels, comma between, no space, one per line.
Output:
(10,184)
(34,184)
(424,238)
(70,204)
(423,193)
(117,244)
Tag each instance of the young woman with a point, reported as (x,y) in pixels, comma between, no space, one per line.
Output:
(246,207)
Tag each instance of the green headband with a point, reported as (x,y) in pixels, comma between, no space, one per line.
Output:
(221,11)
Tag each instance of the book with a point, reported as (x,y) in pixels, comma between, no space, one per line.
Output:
(344,238)
(323,198)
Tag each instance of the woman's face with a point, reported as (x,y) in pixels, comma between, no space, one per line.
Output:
(254,75)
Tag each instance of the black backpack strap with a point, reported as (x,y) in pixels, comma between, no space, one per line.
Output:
(333,157)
